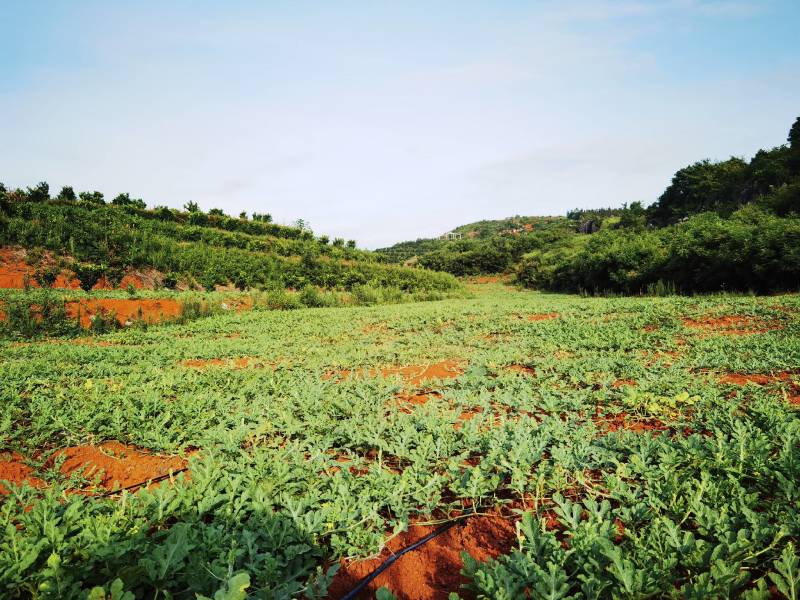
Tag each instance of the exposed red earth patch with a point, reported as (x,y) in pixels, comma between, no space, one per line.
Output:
(543,317)
(622,421)
(732,325)
(484,279)
(763,379)
(622,383)
(117,464)
(241,362)
(124,310)
(16,273)
(523,369)
(434,570)
(14,470)
(414,375)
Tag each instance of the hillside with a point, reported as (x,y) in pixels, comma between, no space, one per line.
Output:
(96,241)
(727,225)
(480,230)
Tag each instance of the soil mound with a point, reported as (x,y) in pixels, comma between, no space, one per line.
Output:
(117,464)
(14,470)
(434,570)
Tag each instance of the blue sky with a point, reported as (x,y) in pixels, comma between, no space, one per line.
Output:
(386,121)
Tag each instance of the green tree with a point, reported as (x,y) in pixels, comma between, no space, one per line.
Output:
(66,194)
(701,187)
(39,193)
(92,197)
(126,200)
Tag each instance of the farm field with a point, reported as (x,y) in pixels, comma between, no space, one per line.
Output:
(593,447)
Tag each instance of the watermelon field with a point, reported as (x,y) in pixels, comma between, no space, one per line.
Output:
(576,447)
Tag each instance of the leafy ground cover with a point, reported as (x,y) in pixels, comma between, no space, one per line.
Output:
(608,447)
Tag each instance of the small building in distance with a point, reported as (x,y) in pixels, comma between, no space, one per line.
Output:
(451,235)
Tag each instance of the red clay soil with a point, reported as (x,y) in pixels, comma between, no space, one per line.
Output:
(241,362)
(543,317)
(131,279)
(15,272)
(523,369)
(117,464)
(622,383)
(732,325)
(434,570)
(762,379)
(414,375)
(125,310)
(483,279)
(620,421)
(14,470)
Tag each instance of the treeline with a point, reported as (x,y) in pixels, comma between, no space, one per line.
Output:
(729,225)
(496,254)
(256,224)
(98,240)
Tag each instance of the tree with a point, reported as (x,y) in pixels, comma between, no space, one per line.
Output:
(217,212)
(39,193)
(126,200)
(701,187)
(324,240)
(92,197)
(191,207)
(632,217)
(243,216)
(351,244)
(338,242)
(66,194)
(794,146)
(264,218)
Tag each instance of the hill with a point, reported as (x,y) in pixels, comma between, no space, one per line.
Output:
(96,241)
(727,225)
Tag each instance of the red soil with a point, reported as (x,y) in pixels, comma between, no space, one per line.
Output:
(489,279)
(543,317)
(15,272)
(523,369)
(434,570)
(618,422)
(732,325)
(14,470)
(130,279)
(762,379)
(241,362)
(622,382)
(125,310)
(117,464)
(414,375)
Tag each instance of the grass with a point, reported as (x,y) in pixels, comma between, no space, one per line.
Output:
(621,404)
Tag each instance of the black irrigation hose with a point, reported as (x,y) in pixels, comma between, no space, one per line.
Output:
(351,595)
(140,484)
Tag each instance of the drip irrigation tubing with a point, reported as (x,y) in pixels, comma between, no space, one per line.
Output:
(140,484)
(361,585)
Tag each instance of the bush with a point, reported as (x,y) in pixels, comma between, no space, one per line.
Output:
(282,300)
(34,314)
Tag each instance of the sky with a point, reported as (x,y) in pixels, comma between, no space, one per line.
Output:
(388,121)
